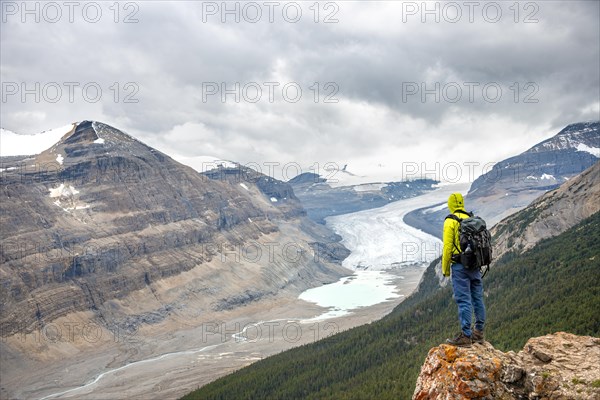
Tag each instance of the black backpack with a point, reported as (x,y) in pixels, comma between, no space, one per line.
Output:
(475,242)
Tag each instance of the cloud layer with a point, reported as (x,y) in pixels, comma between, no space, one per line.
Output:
(371,85)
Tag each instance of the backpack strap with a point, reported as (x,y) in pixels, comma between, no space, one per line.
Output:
(487,268)
(457,219)
(454,217)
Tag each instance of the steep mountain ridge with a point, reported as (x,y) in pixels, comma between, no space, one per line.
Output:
(552,213)
(100,216)
(581,136)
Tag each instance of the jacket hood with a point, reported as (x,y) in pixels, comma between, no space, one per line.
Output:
(456,202)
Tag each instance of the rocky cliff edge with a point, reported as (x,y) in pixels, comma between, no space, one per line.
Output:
(553,367)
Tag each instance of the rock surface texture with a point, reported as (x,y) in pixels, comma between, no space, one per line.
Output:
(560,366)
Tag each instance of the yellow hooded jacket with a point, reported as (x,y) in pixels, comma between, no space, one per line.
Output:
(456,205)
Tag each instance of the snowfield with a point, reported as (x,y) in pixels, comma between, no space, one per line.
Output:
(14,144)
(595,151)
(63,191)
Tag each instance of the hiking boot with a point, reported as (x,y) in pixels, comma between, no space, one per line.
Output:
(477,336)
(461,340)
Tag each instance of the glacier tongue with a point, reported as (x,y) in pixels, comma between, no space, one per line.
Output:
(379,239)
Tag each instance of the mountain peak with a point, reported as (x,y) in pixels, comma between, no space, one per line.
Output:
(87,132)
(516,181)
(95,139)
(579,136)
(82,132)
(577,126)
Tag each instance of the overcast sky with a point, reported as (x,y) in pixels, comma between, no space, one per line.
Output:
(381,82)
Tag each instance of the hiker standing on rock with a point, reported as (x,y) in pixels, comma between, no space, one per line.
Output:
(466,282)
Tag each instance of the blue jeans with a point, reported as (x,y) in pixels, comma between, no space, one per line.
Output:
(468,294)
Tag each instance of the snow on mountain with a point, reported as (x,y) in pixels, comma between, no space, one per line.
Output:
(66,198)
(369,174)
(338,178)
(14,144)
(63,191)
(582,136)
(368,187)
(595,151)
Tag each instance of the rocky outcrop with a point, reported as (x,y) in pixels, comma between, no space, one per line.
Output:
(559,366)
(550,214)
(280,194)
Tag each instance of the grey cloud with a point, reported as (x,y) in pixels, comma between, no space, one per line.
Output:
(369,54)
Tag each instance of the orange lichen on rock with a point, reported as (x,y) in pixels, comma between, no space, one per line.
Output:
(559,366)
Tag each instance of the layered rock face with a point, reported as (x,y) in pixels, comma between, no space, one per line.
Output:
(101,216)
(559,366)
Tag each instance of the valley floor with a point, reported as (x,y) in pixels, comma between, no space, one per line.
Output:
(172,365)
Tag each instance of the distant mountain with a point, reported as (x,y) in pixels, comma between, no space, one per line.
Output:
(514,183)
(321,198)
(306,178)
(100,217)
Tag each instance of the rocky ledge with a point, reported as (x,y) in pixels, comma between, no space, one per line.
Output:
(553,367)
